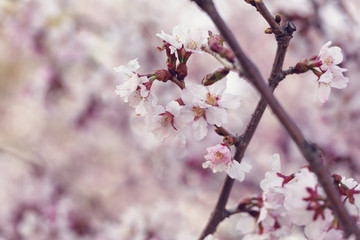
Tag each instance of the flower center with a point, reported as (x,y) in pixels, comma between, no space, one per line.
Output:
(212,99)
(166,119)
(329,60)
(198,112)
(218,158)
(192,44)
(177,38)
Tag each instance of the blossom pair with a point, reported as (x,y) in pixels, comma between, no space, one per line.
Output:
(332,75)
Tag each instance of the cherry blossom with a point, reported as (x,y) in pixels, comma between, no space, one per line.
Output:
(330,56)
(332,75)
(130,78)
(135,89)
(350,193)
(190,38)
(271,185)
(164,122)
(205,105)
(296,191)
(272,219)
(219,159)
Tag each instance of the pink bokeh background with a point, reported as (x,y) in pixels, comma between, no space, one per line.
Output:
(77,163)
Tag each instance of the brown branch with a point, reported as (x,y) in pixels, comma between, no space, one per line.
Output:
(290,70)
(219,213)
(309,151)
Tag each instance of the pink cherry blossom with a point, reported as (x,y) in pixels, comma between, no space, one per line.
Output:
(219,159)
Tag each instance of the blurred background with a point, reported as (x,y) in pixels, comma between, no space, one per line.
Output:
(77,163)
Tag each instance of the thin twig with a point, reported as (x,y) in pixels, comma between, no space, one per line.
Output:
(309,151)
(223,61)
(262,9)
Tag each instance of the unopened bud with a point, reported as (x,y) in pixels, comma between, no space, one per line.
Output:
(278,18)
(212,78)
(162,75)
(228,54)
(301,67)
(268,31)
(313,62)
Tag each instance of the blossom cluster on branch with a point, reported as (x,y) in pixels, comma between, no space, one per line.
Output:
(286,201)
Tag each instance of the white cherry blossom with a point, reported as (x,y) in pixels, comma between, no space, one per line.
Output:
(295,194)
(130,79)
(135,89)
(330,56)
(207,105)
(164,122)
(190,38)
(333,77)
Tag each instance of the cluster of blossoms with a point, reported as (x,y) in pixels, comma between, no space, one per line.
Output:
(198,105)
(295,200)
(286,201)
(329,73)
(202,104)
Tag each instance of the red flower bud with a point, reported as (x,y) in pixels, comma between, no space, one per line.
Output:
(162,75)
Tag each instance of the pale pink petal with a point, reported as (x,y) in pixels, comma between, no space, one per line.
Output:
(229,101)
(200,129)
(323,91)
(218,87)
(216,116)
(246,224)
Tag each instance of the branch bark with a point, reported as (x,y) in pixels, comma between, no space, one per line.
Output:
(310,151)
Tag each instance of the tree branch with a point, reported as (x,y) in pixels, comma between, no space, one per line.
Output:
(220,213)
(309,151)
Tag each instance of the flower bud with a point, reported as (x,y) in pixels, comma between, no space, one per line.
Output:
(162,75)
(214,77)
(268,31)
(301,67)
(278,18)
(228,54)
